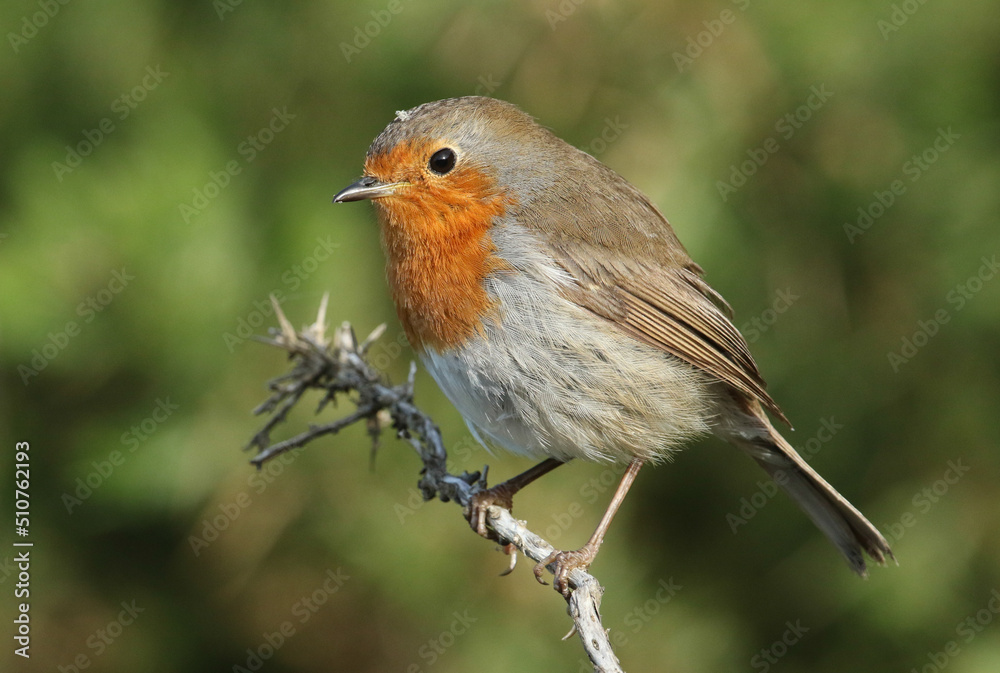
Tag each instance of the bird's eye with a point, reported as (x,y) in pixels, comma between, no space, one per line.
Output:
(442,161)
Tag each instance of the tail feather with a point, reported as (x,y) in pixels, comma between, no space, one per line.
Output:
(838,519)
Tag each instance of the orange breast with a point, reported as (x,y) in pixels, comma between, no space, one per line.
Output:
(435,234)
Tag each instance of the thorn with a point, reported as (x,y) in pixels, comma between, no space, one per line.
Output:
(286,327)
(344,341)
(571,632)
(375,335)
(411,380)
(321,314)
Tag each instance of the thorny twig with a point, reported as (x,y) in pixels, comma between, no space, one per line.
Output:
(337,366)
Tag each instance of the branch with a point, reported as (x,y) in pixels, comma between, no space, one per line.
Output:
(337,366)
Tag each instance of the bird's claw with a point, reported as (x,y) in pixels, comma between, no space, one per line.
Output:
(476,514)
(481,502)
(511,550)
(565,563)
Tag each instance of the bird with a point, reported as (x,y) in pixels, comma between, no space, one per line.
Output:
(558,311)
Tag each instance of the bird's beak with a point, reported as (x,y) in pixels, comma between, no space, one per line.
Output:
(367,188)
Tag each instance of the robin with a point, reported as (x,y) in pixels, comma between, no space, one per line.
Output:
(558,311)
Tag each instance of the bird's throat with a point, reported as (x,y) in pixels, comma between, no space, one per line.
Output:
(437,261)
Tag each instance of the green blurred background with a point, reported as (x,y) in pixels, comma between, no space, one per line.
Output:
(167,166)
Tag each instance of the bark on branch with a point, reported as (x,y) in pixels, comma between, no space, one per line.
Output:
(337,366)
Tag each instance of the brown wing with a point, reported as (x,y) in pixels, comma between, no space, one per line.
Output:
(672,309)
(631,269)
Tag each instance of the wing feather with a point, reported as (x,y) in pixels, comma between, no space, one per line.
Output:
(664,309)
(630,267)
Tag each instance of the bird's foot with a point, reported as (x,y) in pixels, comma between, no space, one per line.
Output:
(475,512)
(502,495)
(565,562)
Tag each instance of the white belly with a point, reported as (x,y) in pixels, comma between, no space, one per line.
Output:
(556,380)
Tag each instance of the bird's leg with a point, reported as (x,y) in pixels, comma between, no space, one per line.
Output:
(503,495)
(567,561)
